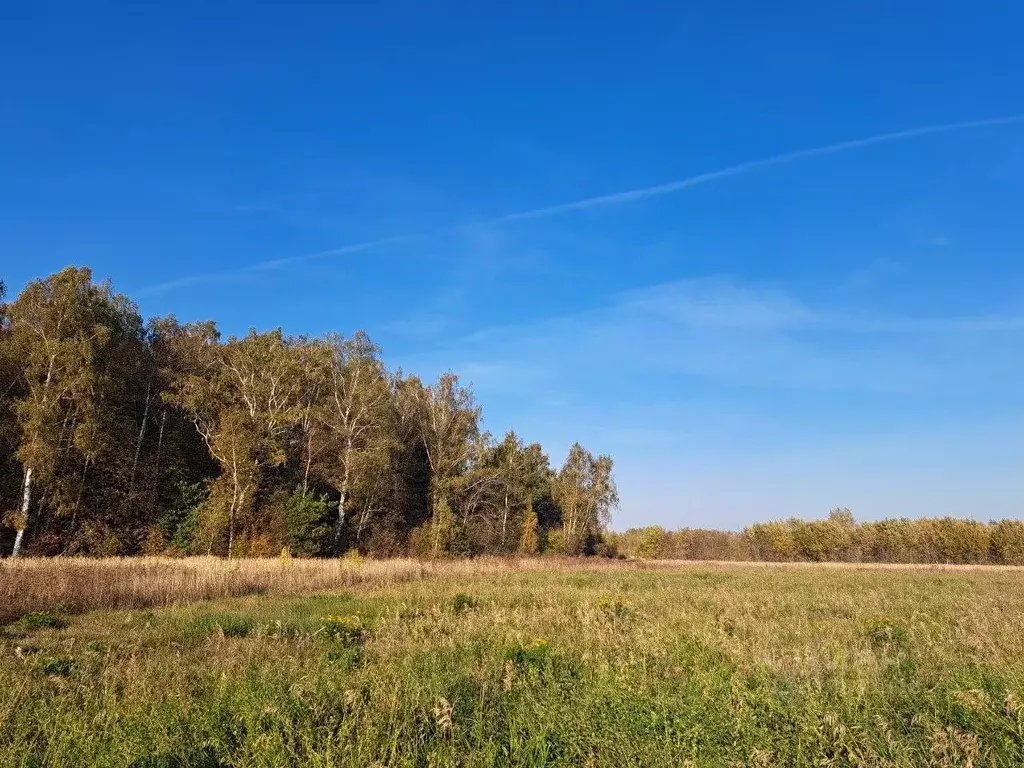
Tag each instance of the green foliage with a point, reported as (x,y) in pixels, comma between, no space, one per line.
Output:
(179,523)
(445,531)
(599,664)
(165,438)
(957,541)
(650,544)
(308,524)
(586,494)
(225,625)
(534,656)
(820,540)
(463,603)
(1007,537)
(554,542)
(772,541)
(349,630)
(61,666)
(41,620)
(839,538)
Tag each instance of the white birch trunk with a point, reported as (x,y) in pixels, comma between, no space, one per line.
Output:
(26,500)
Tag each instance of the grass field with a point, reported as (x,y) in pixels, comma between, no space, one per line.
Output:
(528,663)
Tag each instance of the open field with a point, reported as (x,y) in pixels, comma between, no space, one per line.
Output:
(73,585)
(513,663)
(79,584)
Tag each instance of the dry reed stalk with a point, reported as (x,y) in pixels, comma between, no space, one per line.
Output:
(82,584)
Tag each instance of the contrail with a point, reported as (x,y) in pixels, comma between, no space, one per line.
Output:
(263,266)
(614,198)
(752,165)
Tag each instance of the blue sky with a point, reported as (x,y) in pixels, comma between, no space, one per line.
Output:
(841,327)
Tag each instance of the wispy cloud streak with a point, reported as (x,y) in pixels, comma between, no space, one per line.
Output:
(272,264)
(615,198)
(740,169)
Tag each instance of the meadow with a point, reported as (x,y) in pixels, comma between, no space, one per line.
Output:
(508,662)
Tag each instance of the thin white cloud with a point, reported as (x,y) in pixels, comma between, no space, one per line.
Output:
(756,165)
(747,401)
(271,264)
(722,303)
(749,336)
(616,198)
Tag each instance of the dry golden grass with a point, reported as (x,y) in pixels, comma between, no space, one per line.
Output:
(955,567)
(73,585)
(78,584)
(528,663)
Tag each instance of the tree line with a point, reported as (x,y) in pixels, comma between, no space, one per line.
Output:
(119,436)
(838,538)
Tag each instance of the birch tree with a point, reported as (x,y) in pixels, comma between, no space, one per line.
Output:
(497,493)
(243,397)
(524,474)
(55,336)
(450,427)
(353,414)
(10,381)
(585,492)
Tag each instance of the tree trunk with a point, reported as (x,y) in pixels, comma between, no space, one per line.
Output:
(341,501)
(236,501)
(309,455)
(159,450)
(26,499)
(362,522)
(141,437)
(341,523)
(504,522)
(231,512)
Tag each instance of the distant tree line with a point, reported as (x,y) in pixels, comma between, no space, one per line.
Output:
(119,436)
(836,539)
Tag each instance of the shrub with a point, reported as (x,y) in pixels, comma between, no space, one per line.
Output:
(308,524)
(535,655)
(349,630)
(57,667)
(820,540)
(959,541)
(41,620)
(445,531)
(650,544)
(178,525)
(554,543)
(772,541)
(463,603)
(227,625)
(353,557)
(1007,542)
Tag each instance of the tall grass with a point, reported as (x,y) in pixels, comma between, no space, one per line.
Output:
(73,585)
(530,663)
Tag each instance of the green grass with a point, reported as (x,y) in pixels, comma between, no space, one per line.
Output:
(720,666)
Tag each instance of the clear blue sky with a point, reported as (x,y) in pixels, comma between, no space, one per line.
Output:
(835,328)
